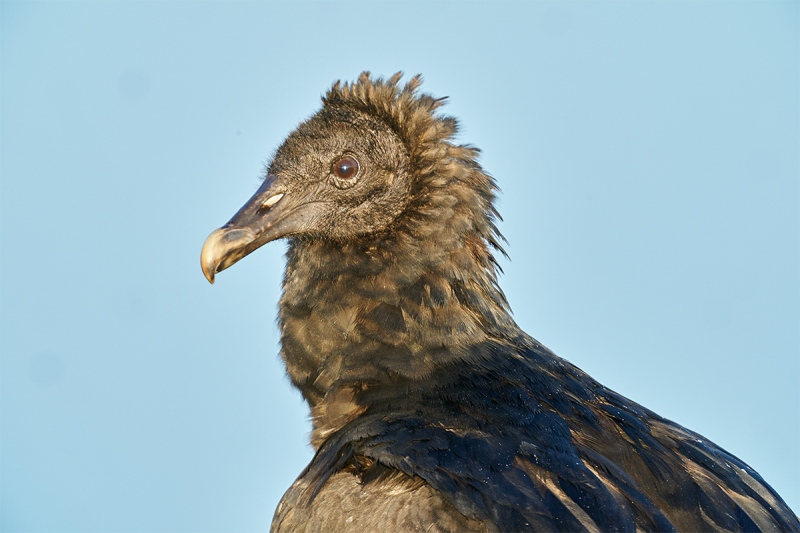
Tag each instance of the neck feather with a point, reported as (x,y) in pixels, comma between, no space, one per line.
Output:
(398,305)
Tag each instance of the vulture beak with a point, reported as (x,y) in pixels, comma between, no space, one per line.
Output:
(270,214)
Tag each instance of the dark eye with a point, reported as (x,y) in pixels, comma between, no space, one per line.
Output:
(345,168)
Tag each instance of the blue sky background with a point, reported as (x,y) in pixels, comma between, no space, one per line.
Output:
(649,158)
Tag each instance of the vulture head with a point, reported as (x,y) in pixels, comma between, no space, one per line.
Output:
(369,163)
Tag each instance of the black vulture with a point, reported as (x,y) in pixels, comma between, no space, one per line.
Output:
(432,410)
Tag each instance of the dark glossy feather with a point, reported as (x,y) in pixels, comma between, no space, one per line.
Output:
(561,454)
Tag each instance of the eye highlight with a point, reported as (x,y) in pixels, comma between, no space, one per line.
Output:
(345,168)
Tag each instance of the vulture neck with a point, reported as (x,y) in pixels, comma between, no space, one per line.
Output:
(389,309)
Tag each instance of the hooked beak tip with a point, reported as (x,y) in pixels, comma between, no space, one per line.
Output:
(209,256)
(223,248)
(209,274)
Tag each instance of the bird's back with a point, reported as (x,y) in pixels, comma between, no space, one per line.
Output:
(525,442)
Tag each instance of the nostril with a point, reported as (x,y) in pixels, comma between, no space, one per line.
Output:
(272,200)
